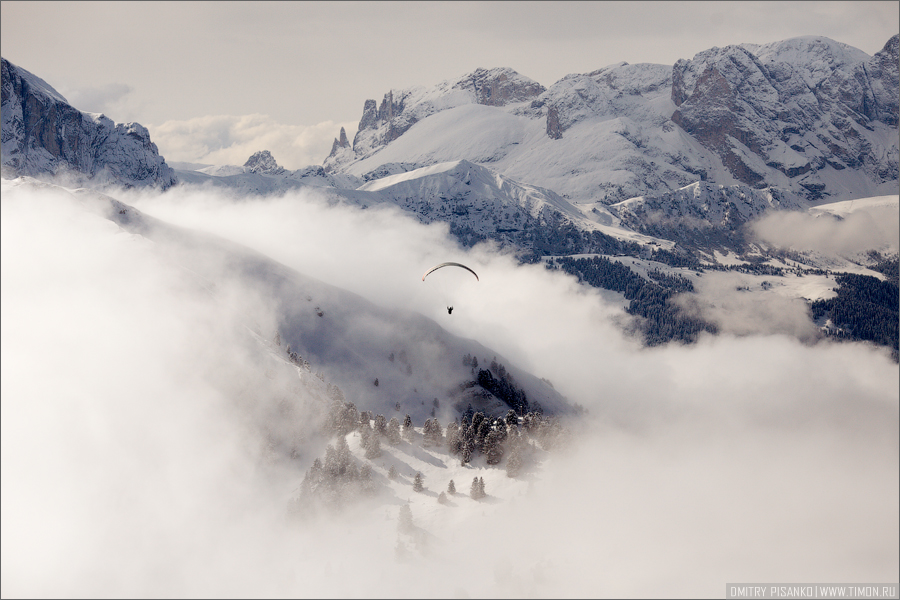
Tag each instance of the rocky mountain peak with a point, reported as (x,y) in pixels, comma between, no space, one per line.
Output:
(263,163)
(44,136)
(797,106)
(340,144)
(499,87)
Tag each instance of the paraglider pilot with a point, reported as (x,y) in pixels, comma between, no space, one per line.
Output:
(449,310)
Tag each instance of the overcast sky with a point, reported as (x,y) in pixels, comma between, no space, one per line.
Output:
(236,74)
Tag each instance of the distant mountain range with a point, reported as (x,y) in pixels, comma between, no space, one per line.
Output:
(658,162)
(808,115)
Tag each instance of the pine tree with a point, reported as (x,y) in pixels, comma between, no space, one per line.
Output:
(393,431)
(380,425)
(417,483)
(432,433)
(442,498)
(492,448)
(392,473)
(451,487)
(407,426)
(343,455)
(474,491)
(453,438)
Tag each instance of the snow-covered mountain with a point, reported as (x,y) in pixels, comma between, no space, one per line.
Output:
(399,111)
(808,115)
(703,214)
(43,135)
(480,204)
(808,107)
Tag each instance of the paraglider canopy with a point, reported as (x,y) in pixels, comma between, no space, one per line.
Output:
(449,264)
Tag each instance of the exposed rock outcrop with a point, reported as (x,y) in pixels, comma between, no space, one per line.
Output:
(44,136)
(263,163)
(499,87)
(796,106)
(553,129)
(703,214)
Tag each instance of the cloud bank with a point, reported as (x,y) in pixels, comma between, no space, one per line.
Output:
(862,229)
(131,467)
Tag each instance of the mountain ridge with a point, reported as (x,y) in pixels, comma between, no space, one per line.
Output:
(852,95)
(43,135)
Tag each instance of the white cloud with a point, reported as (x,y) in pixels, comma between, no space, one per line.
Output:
(128,470)
(231,140)
(875,227)
(737,305)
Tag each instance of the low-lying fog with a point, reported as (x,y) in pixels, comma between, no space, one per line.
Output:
(127,471)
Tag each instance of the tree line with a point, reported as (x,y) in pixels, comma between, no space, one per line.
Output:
(865,309)
(663,320)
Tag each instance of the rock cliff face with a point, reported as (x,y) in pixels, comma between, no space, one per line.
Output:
(43,135)
(263,163)
(795,106)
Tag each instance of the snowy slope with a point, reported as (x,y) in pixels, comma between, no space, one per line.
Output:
(700,211)
(849,206)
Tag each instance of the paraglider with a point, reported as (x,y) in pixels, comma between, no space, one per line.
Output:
(449,264)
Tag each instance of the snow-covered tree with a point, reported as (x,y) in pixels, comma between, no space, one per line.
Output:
(493,448)
(380,426)
(477,489)
(451,487)
(393,431)
(373,447)
(407,426)
(433,436)
(417,483)
(452,438)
